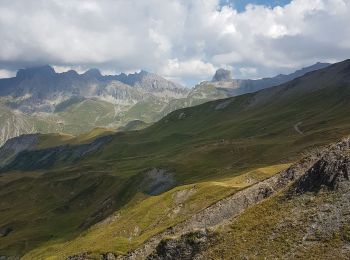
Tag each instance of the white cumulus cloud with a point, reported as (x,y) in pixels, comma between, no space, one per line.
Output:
(184,40)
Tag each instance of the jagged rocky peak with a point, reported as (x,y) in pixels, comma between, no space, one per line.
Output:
(138,76)
(222,75)
(94,73)
(70,73)
(45,70)
(142,73)
(132,78)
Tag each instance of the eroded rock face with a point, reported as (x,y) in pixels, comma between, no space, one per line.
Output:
(331,171)
(157,181)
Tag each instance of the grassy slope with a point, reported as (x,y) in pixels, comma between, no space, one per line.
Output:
(199,95)
(208,143)
(135,222)
(197,144)
(55,139)
(147,110)
(279,228)
(133,126)
(86,115)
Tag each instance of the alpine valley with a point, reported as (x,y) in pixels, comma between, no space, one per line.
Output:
(137,167)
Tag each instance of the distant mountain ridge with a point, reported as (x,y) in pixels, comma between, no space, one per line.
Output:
(235,87)
(40,89)
(41,100)
(223,86)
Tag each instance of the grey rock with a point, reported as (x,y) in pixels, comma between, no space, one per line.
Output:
(157,181)
(222,75)
(81,256)
(185,247)
(109,256)
(330,172)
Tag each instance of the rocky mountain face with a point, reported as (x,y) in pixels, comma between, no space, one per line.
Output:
(222,75)
(41,100)
(41,89)
(152,83)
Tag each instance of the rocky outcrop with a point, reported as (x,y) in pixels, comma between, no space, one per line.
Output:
(186,247)
(222,75)
(157,181)
(331,171)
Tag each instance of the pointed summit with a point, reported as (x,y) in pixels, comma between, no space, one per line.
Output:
(94,73)
(222,75)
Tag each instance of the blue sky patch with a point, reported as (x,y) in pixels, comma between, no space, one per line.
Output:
(241,4)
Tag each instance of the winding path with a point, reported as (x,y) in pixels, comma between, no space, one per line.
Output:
(296,128)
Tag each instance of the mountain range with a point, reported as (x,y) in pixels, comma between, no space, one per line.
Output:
(41,100)
(249,176)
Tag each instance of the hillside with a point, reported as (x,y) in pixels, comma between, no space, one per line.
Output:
(217,148)
(303,214)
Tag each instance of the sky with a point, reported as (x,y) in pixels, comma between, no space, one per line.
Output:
(240,5)
(182,40)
